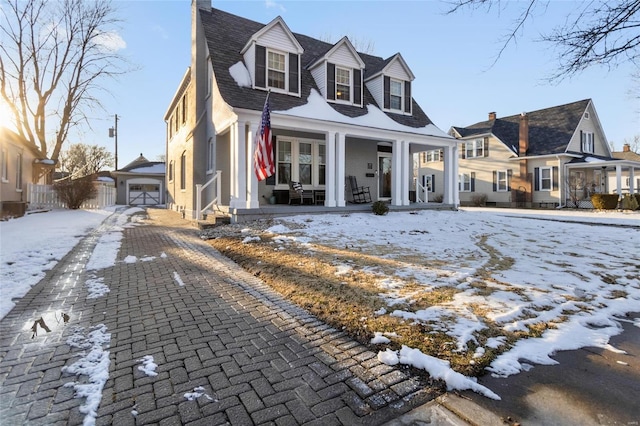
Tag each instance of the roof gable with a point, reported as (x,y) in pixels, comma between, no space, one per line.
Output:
(277,33)
(342,53)
(395,67)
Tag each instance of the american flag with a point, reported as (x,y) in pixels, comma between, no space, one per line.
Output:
(263,157)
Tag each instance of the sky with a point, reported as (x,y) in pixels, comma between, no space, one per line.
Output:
(452,57)
(586,298)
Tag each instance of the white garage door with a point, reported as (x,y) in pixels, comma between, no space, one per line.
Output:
(144,194)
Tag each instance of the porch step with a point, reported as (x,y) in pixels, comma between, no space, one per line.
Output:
(213,221)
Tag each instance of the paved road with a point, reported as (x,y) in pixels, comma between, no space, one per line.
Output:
(208,324)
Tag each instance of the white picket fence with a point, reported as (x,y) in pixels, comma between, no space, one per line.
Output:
(45,197)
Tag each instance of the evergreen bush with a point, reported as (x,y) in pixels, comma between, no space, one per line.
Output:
(380,208)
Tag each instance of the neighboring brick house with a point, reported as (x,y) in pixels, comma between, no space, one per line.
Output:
(552,157)
(20,165)
(335,113)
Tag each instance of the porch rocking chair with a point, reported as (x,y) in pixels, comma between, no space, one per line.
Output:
(297,193)
(361,194)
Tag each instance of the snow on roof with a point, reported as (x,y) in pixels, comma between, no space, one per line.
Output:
(593,160)
(156,168)
(317,108)
(240,74)
(104,179)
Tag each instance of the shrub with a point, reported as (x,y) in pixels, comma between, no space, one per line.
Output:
(75,192)
(630,202)
(604,201)
(437,198)
(479,200)
(380,208)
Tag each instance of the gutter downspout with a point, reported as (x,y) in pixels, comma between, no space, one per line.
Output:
(562,173)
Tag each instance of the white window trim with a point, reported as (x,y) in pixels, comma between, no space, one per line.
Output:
(540,179)
(506,180)
(474,143)
(335,88)
(588,144)
(462,180)
(295,165)
(286,70)
(401,109)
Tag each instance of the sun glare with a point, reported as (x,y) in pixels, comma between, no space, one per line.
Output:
(5,116)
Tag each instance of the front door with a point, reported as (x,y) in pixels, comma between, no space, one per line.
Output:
(384,176)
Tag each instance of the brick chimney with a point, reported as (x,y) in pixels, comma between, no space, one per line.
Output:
(626,148)
(523,134)
(492,116)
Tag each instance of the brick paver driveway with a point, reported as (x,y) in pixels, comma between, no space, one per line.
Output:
(256,358)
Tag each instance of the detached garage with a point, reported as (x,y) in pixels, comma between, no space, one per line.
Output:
(141,183)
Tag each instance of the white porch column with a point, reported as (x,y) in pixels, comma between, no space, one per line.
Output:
(396,173)
(330,197)
(632,178)
(340,167)
(405,160)
(233,164)
(253,202)
(450,192)
(454,175)
(240,177)
(619,179)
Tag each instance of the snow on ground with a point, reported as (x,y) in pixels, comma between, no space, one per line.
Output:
(148,366)
(514,268)
(575,271)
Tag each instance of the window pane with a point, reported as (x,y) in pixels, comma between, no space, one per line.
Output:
(284,151)
(479,148)
(305,153)
(395,102)
(276,61)
(276,79)
(305,174)
(276,73)
(284,173)
(343,84)
(469,148)
(322,156)
(396,88)
(321,174)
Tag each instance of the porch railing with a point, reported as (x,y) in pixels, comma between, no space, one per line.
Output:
(421,190)
(215,199)
(45,197)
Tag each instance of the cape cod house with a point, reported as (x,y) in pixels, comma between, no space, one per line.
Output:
(548,158)
(335,113)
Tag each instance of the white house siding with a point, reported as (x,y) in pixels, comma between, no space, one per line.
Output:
(250,61)
(484,168)
(277,38)
(590,125)
(397,71)
(358,153)
(375,87)
(435,169)
(343,56)
(319,74)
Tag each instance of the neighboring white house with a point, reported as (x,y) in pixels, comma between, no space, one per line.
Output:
(141,182)
(335,113)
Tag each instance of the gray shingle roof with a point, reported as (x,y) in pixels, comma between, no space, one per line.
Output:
(550,129)
(227,34)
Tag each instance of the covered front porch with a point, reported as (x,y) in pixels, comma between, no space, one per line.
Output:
(322,155)
(599,176)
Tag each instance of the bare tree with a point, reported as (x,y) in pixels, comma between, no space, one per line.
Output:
(54,56)
(599,32)
(83,160)
(634,143)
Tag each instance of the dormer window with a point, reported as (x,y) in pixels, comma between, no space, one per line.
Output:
(395,95)
(276,70)
(343,84)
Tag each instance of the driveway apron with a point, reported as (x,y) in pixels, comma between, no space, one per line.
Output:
(228,349)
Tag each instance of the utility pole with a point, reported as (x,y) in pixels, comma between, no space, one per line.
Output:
(113,133)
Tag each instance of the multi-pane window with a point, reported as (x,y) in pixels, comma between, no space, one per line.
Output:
(184,108)
(183,171)
(302,161)
(474,148)
(343,84)
(465,182)
(19,172)
(427,182)
(502,180)
(546,179)
(275,70)
(395,94)
(588,142)
(432,156)
(5,166)
(170,171)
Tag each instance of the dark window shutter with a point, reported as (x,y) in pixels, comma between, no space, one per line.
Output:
(331,81)
(555,178)
(486,147)
(509,176)
(261,66)
(473,181)
(442,155)
(495,181)
(357,87)
(294,77)
(387,91)
(407,96)
(536,179)
(581,140)
(463,153)
(433,183)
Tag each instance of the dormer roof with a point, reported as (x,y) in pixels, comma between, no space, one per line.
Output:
(279,26)
(387,64)
(342,43)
